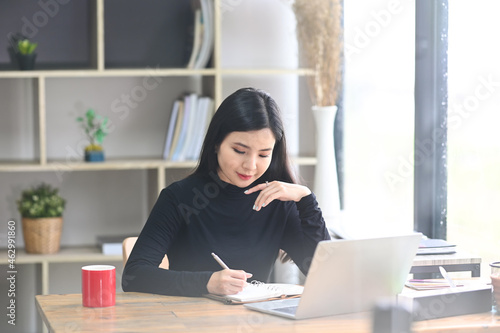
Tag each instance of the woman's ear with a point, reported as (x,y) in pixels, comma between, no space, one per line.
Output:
(216,150)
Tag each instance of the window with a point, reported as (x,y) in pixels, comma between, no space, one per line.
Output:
(379,46)
(459,82)
(473,128)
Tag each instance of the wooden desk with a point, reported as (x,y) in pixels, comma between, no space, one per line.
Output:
(138,312)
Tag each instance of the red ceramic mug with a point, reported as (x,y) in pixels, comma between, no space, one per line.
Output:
(98,286)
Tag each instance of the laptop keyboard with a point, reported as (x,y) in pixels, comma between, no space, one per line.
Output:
(287,309)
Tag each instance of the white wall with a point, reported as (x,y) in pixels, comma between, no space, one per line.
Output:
(261,34)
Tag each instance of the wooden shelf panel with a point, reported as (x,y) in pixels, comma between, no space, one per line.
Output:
(69,254)
(266,71)
(126,164)
(72,73)
(108,73)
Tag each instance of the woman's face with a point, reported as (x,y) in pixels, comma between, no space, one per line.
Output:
(244,156)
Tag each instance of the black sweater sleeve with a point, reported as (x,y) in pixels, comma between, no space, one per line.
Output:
(142,274)
(304,230)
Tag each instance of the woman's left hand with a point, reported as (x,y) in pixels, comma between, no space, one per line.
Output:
(276,190)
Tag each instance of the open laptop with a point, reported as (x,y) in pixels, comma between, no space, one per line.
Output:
(349,276)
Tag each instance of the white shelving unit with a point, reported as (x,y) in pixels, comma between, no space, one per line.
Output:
(210,80)
(37,124)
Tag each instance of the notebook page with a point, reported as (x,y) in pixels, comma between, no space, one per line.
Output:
(261,291)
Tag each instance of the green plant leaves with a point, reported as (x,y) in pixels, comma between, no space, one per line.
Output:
(26,47)
(95,126)
(41,201)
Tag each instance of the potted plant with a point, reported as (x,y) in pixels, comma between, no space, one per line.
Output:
(95,127)
(24,51)
(41,209)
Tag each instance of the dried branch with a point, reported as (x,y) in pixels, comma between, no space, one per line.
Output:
(319,34)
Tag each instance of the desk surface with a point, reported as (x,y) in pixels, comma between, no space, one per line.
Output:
(138,312)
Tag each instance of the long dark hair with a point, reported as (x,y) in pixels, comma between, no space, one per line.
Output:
(247,109)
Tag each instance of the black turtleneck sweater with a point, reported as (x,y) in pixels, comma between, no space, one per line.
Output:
(199,215)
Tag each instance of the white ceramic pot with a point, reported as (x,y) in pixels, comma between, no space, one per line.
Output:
(326,186)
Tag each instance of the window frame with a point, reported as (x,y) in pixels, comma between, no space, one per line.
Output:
(431,109)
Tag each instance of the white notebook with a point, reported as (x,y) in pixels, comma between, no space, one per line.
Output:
(258,292)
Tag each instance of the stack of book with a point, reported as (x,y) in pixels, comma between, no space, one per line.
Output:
(435,246)
(188,124)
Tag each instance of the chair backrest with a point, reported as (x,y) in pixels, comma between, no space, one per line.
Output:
(127,246)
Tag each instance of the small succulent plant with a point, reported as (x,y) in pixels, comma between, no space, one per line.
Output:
(24,46)
(96,129)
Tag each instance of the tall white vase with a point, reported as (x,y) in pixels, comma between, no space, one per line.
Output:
(326,187)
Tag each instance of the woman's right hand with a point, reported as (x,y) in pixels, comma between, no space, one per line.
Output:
(227,282)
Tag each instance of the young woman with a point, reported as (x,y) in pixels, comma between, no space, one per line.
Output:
(241,203)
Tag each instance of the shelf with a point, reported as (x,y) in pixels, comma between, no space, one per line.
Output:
(150,71)
(89,254)
(106,165)
(267,71)
(72,73)
(126,164)
(65,255)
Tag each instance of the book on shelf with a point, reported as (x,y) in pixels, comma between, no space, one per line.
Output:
(204,115)
(203,34)
(197,37)
(207,13)
(178,149)
(177,130)
(111,244)
(184,139)
(260,292)
(430,246)
(190,132)
(171,129)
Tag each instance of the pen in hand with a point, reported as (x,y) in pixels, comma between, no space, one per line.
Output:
(219,260)
(223,265)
